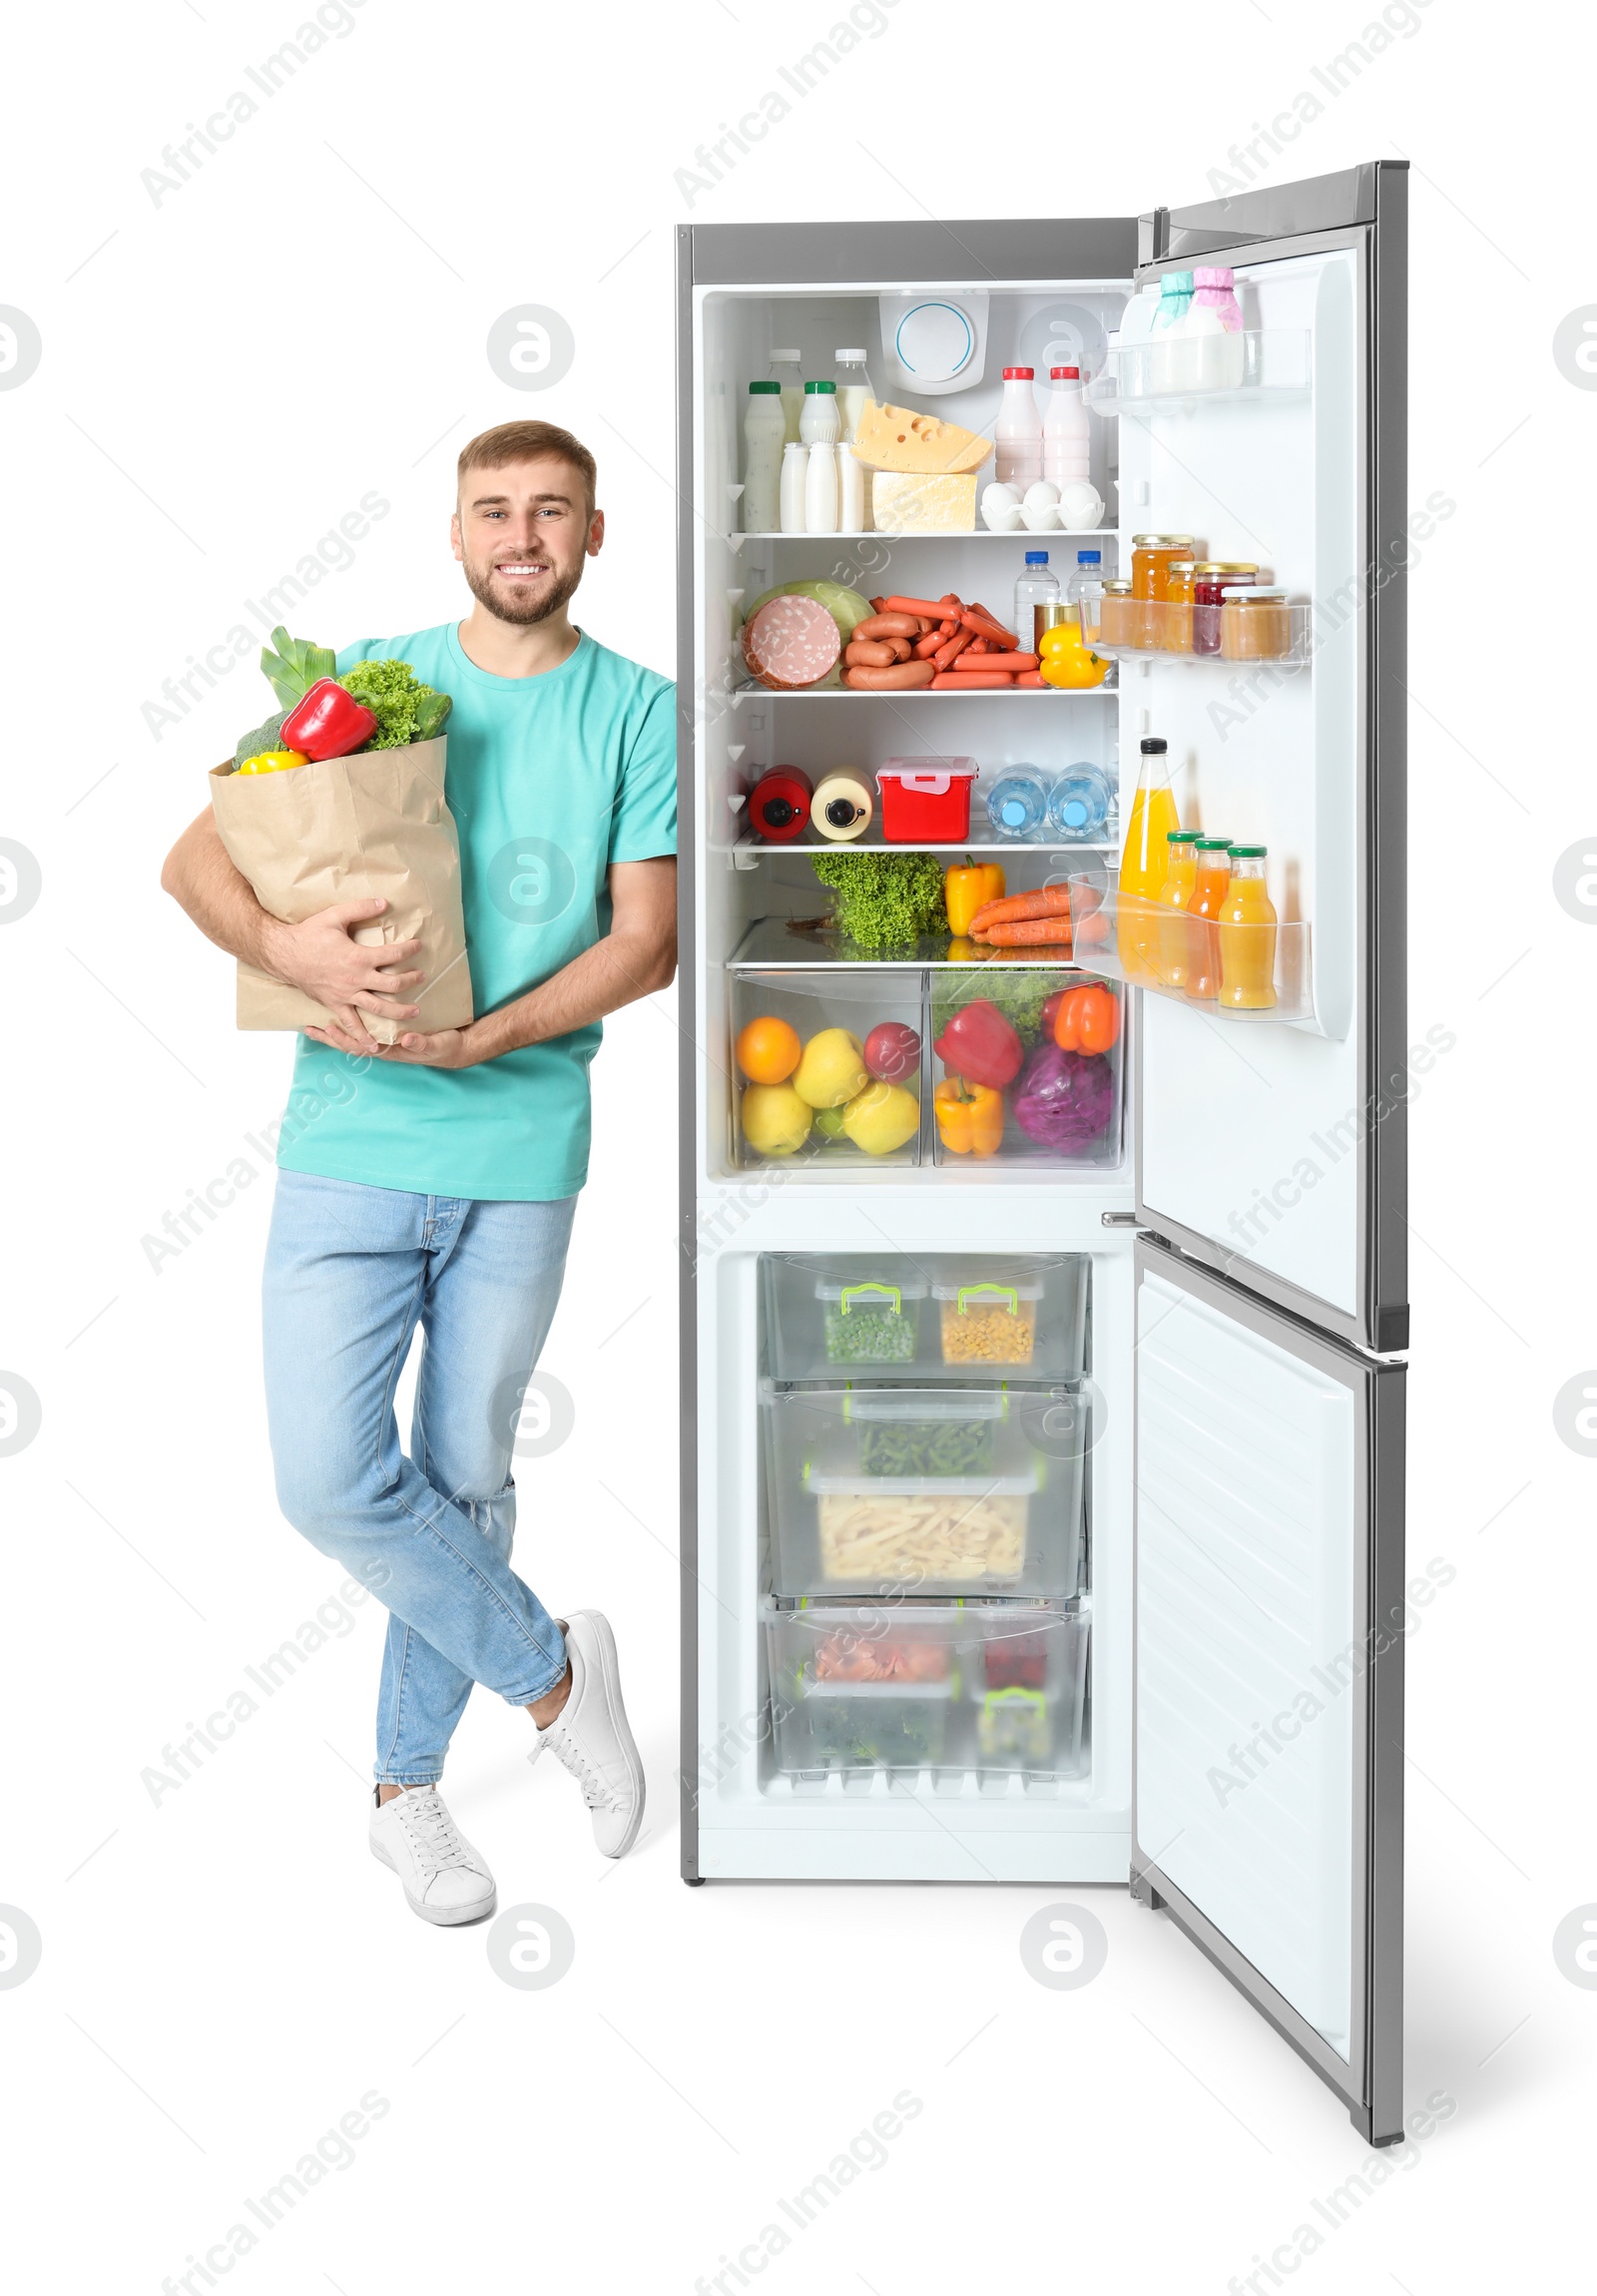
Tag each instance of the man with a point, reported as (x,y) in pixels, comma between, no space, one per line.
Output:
(439,1188)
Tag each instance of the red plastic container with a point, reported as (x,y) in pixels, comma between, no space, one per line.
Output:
(926,801)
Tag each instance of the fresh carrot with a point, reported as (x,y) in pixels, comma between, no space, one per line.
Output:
(947,653)
(1049,900)
(1024,932)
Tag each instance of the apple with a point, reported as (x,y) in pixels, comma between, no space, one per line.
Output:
(892,1051)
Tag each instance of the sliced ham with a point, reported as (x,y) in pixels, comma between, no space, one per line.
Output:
(790,641)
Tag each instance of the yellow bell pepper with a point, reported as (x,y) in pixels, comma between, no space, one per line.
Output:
(968,886)
(970,1117)
(1067,662)
(272,762)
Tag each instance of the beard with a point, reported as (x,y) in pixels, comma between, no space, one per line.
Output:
(512,604)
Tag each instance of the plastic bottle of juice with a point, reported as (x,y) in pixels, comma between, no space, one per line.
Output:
(1203,903)
(1174,935)
(1246,936)
(1142,860)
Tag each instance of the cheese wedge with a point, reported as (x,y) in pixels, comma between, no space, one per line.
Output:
(914,502)
(893,438)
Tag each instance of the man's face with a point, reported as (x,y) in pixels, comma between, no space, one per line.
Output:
(521,533)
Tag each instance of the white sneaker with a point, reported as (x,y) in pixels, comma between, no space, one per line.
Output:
(589,1735)
(446,1879)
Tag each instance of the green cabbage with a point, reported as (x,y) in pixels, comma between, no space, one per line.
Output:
(847,608)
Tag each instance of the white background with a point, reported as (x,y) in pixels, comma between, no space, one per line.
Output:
(226,1976)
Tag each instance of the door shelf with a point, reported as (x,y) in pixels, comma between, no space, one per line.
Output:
(1175,374)
(1142,944)
(1165,633)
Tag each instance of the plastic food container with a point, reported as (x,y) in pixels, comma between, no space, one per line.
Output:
(1025,1688)
(989,1322)
(920,1493)
(926,801)
(871,1322)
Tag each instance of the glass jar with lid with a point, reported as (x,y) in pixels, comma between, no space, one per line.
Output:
(1175,616)
(1255,623)
(1117,616)
(1213,575)
(1151,555)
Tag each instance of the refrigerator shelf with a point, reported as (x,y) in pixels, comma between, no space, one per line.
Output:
(874,842)
(776,943)
(1162,627)
(1176,373)
(1128,938)
(964,534)
(753,691)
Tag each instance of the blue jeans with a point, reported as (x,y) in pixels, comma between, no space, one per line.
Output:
(350,1272)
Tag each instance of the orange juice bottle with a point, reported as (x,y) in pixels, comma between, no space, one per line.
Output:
(1246,936)
(1143,861)
(1174,935)
(1210,882)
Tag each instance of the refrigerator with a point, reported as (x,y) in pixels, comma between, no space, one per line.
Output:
(1159,1371)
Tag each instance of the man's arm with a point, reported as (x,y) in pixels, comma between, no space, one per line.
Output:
(317,956)
(637,955)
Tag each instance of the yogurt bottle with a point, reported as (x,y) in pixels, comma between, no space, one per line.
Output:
(765,432)
(1164,359)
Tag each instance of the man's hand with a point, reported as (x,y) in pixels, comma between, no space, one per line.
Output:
(321,957)
(433,1048)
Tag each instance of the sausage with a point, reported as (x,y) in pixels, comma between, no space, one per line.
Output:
(889,626)
(872,653)
(790,641)
(931,644)
(973,681)
(1032,678)
(899,680)
(950,650)
(994,661)
(985,626)
(936,608)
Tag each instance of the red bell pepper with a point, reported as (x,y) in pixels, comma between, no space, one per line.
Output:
(980,1044)
(328,723)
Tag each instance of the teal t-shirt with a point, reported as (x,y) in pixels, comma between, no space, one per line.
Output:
(549,780)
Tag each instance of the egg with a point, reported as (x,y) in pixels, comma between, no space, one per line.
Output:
(1042,496)
(1000,491)
(1081,508)
(1041,518)
(1002,517)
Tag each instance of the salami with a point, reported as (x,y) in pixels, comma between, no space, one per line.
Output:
(790,641)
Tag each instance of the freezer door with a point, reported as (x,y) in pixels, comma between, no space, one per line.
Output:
(1269,1620)
(1274,1151)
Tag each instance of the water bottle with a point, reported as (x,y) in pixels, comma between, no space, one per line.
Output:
(1086,585)
(1017,803)
(1078,805)
(1036,587)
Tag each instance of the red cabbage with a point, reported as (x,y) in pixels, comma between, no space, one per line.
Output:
(1064,1099)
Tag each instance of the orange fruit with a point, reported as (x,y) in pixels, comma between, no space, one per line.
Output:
(769,1050)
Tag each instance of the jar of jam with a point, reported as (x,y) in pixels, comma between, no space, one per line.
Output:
(1151,555)
(1117,616)
(1214,575)
(1255,623)
(1175,616)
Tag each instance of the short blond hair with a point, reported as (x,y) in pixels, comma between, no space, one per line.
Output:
(529,442)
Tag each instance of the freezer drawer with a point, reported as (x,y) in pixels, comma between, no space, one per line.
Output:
(961,1317)
(995,1692)
(896,1491)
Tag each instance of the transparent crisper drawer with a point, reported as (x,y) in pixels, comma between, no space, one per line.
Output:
(906,1491)
(827,1069)
(863,1690)
(872,1314)
(1062,1106)
(895,1690)
(1024,1692)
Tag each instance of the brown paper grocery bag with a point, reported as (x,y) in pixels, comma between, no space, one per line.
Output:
(350,828)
